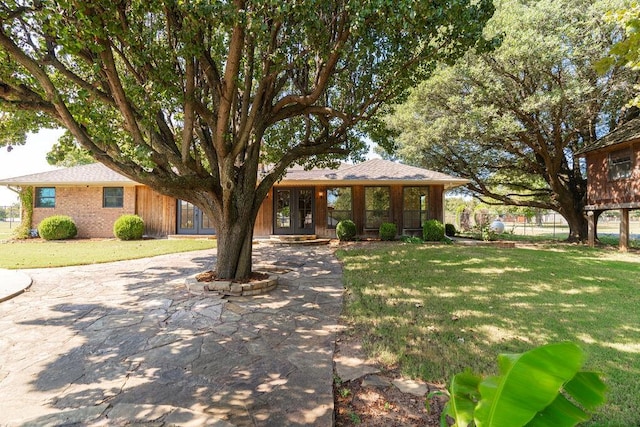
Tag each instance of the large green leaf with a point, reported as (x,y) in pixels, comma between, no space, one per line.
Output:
(463,398)
(527,384)
(560,413)
(587,389)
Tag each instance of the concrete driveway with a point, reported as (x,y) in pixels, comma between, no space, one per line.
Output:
(125,342)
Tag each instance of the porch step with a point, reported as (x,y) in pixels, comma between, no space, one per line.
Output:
(301,239)
(293,237)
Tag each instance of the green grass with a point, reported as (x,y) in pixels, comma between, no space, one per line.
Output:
(39,253)
(432,311)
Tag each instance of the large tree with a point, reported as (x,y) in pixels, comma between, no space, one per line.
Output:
(188,97)
(511,120)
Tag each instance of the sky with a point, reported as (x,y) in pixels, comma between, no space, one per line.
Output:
(25,160)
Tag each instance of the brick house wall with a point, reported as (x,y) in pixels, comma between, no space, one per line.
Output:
(84,205)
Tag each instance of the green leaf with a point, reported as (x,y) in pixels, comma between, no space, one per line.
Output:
(587,389)
(527,384)
(560,413)
(464,395)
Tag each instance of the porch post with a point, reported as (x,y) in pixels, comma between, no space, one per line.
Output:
(592,228)
(624,230)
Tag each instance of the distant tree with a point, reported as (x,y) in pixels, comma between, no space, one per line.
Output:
(189,97)
(66,152)
(511,120)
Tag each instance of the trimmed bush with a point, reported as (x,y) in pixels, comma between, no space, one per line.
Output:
(346,230)
(388,231)
(433,231)
(57,227)
(128,227)
(450,230)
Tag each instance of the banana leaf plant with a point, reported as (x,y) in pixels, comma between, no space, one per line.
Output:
(542,387)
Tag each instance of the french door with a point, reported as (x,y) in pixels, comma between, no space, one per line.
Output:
(191,220)
(293,210)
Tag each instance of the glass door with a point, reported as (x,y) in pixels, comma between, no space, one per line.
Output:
(191,220)
(293,211)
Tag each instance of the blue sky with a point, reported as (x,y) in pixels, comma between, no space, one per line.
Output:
(26,159)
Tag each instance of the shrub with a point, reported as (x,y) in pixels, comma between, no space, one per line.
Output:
(346,230)
(129,227)
(433,231)
(450,230)
(57,227)
(388,231)
(487,233)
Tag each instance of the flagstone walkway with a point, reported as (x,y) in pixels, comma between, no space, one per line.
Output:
(125,342)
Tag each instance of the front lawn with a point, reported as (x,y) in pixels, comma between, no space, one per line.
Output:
(432,311)
(40,253)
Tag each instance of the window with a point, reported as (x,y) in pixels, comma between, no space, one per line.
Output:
(112,197)
(620,165)
(377,205)
(45,197)
(415,204)
(339,205)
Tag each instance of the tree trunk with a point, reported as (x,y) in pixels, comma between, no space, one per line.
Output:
(235,250)
(576,218)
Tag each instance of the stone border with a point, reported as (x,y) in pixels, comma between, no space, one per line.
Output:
(228,288)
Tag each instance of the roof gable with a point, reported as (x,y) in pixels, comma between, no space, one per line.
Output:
(371,171)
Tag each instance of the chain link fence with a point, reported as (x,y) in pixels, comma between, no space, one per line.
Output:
(9,219)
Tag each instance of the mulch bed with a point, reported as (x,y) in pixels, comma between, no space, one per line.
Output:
(210,276)
(356,405)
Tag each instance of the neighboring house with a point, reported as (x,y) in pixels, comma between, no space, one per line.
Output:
(303,202)
(613,177)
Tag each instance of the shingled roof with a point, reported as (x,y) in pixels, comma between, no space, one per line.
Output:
(625,132)
(92,174)
(372,172)
(375,171)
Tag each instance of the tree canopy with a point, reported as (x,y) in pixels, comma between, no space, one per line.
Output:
(511,120)
(66,153)
(189,97)
(625,52)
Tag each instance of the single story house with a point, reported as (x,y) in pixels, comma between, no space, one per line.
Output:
(613,177)
(303,202)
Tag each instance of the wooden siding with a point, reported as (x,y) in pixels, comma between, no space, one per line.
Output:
(605,193)
(264,219)
(157,211)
